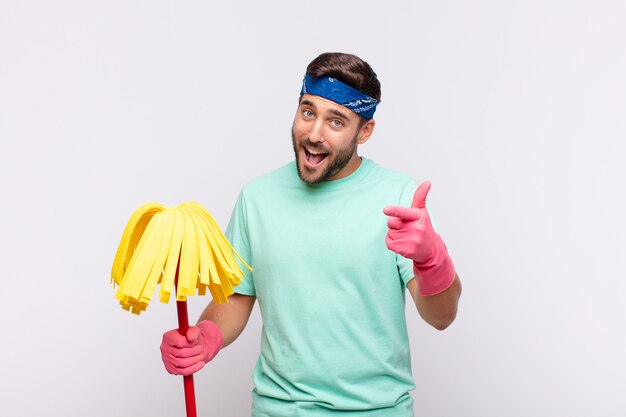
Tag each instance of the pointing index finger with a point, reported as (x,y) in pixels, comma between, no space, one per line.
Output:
(403,213)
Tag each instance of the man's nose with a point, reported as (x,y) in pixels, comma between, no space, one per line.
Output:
(316,134)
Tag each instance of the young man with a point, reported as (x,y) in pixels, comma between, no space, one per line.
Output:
(334,240)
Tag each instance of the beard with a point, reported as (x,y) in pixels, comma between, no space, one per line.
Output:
(336,160)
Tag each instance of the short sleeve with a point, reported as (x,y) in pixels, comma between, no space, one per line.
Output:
(237,235)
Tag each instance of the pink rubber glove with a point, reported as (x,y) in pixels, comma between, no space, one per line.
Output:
(411,235)
(186,355)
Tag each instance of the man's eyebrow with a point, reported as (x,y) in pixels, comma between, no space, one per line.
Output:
(339,114)
(336,112)
(307,103)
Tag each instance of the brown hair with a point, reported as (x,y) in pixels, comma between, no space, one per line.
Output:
(347,68)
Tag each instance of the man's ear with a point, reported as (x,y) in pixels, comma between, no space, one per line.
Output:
(365,132)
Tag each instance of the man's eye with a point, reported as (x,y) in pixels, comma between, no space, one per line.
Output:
(308,114)
(336,123)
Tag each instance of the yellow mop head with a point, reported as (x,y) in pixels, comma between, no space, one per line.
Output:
(159,242)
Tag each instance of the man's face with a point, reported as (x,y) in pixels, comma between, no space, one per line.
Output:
(325,136)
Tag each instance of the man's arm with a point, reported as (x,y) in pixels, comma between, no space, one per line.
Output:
(436,287)
(438,310)
(230,317)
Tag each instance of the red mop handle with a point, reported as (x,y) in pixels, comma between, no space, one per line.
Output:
(183,325)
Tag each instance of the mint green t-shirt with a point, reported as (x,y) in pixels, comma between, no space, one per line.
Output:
(331,295)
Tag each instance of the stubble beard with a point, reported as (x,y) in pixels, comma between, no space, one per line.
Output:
(336,163)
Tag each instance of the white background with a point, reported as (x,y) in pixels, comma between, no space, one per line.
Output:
(515,111)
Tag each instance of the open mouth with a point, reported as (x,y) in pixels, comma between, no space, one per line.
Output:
(314,158)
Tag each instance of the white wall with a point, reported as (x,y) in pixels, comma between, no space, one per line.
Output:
(515,110)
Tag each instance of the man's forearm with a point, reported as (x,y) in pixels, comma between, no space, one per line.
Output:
(437,310)
(230,317)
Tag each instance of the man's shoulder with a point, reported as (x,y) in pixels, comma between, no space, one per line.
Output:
(386,175)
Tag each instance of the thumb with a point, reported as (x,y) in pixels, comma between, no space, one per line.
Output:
(192,335)
(419,198)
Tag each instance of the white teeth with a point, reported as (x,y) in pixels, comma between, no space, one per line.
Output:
(314,152)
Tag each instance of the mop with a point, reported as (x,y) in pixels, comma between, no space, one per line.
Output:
(178,247)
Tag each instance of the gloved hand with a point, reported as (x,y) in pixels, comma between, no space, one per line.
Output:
(186,355)
(411,235)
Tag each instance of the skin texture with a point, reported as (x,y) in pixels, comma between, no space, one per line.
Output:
(230,317)
(437,310)
(324,126)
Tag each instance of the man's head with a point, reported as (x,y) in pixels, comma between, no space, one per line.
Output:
(334,117)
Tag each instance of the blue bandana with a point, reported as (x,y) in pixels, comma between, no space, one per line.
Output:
(341,93)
